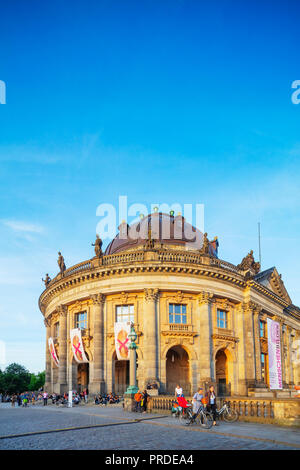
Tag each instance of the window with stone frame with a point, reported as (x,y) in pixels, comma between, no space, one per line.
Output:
(125,313)
(222,318)
(262,329)
(81,320)
(56,330)
(177,313)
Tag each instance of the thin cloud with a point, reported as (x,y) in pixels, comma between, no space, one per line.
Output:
(20,226)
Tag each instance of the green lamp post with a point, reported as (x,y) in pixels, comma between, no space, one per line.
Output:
(132,362)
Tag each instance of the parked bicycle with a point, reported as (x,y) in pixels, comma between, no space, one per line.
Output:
(203,418)
(229,415)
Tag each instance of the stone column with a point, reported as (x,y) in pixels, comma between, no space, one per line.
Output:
(150,336)
(48,385)
(206,358)
(290,355)
(256,320)
(283,351)
(62,371)
(98,384)
(249,344)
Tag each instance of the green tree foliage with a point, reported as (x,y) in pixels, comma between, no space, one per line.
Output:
(16,378)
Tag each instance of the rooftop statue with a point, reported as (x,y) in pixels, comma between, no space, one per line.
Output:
(61,263)
(98,246)
(47,280)
(249,263)
(205,247)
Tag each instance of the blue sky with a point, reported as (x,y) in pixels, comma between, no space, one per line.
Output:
(162,101)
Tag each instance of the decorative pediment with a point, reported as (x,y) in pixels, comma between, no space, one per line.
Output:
(273,281)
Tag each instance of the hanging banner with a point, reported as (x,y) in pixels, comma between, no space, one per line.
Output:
(122,330)
(53,351)
(77,346)
(274,352)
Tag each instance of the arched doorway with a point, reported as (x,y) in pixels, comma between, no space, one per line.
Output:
(82,376)
(121,375)
(79,375)
(178,370)
(222,375)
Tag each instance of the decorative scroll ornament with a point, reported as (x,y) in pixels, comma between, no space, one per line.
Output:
(53,351)
(77,346)
(122,330)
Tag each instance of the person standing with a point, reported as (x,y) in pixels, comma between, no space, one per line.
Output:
(45,398)
(13,400)
(197,403)
(145,401)
(212,403)
(138,398)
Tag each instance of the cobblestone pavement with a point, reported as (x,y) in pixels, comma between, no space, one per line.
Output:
(153,433)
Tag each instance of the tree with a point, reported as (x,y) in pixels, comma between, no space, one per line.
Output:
(36,381)
(16,379)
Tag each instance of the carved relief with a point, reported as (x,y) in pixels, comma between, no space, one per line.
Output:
(151,295)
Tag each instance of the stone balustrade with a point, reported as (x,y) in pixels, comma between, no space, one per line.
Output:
(286,412)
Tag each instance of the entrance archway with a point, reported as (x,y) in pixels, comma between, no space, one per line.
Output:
(120,375)
(222,373)
(82,376)
(178,370)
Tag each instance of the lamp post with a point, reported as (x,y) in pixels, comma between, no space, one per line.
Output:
(132,362)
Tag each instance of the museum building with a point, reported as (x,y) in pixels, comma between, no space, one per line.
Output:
(199,320)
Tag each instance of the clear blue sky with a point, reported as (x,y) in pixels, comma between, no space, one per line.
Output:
(162,101)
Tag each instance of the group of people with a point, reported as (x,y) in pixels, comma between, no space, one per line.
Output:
(21,399)
(141,401)
(104,399)
(199,397)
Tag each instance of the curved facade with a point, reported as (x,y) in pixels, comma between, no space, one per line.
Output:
(199,320)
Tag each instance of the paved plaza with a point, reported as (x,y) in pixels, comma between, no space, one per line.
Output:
(115,429)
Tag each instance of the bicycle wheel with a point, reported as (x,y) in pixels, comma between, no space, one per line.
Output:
(230,416)
(204,420)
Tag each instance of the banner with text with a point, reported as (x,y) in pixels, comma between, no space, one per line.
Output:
(122,330)
(77,346)
(274,351)
(53,351)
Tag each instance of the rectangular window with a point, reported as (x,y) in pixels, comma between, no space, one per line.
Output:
(262,329)
(221,319)
(125,313)
(263,367)
(177,313)
(56,330)
(81,320)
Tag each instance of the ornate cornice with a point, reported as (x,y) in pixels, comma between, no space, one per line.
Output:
(225,337)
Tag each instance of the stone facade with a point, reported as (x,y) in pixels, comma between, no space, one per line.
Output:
(197,351)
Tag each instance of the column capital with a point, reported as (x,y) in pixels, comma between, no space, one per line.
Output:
(205,298)
(251,306)
(98,299)
(62,310)
(151,295)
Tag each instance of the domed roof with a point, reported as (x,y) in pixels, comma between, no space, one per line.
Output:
(160,228)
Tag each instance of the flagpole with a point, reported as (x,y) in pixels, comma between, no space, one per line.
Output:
(259,247)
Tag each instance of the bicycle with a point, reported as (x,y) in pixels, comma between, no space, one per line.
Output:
(229,415)
(202,417)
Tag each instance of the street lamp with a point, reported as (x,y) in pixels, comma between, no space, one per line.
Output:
(132,362)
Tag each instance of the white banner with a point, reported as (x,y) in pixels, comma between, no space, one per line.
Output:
(53,351)
(274,350)
(122,330)
(77,346)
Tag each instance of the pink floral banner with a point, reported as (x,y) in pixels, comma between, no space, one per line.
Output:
(53,351)
(274,351)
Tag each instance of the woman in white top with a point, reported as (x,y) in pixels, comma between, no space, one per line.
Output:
(178,391)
